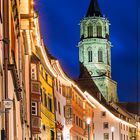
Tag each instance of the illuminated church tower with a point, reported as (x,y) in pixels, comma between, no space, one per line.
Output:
(95,50)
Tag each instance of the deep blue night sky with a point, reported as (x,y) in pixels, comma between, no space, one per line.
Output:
(60,20)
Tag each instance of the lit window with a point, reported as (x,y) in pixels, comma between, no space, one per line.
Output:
(33,72)
(90,31)
(100,56)
(106,136)
(34,108)
(105,125)
(99,31)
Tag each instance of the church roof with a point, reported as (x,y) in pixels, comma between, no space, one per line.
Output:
(94,9)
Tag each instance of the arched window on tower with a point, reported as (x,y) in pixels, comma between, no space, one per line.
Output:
(108,61)
(100,55)
(89,55)
(99,31)
(90,31)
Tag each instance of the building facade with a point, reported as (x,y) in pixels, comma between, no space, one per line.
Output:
(38,101)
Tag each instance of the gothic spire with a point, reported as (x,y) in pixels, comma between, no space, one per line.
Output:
(93,9)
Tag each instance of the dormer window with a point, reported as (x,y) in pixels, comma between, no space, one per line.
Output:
(90,31)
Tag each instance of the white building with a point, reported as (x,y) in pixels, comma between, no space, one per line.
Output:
(61,89)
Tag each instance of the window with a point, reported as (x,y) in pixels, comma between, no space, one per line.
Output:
(45,100)
(99,31)
(89,56)
(41,94)
(33,72)
(105,125)
(127,137)
(76,99)
(79,122)
(108,61)
(46,77)
(121,136)
(52,135)
(100,56)
(76,120)
(106,136)
(59,108)
(124,126)
(103,114)
(73,118)
(90,31)
(50,104)
(41,70)
(34,108)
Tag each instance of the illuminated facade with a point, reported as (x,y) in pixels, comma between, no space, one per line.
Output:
(81,110)
(48,125)
(10,71)
(45,104)
(61,89)
(95,50)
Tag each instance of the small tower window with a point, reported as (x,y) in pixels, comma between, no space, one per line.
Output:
(108,62)
(100,56)
(90,31)
(89,55)
(99,31)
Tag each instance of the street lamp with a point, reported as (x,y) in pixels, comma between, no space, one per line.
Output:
(88,125)
(112,130)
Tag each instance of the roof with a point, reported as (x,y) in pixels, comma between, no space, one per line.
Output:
(86,83)
(94,9)
(131,107)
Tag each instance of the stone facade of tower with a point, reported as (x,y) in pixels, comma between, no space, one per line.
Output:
(95,50)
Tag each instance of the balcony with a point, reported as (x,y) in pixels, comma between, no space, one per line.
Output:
(35,90)
(35,87)
(36,124)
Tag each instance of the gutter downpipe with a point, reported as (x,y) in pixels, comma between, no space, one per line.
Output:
(6,58)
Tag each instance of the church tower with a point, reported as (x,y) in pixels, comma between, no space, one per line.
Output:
(95,50)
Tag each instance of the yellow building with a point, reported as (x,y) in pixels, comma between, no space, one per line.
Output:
(47,105)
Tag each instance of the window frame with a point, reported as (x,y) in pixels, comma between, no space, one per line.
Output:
(90,31)
(104,125)
(99,31)
(35,106)
(100,55)
(90,56)
(106,134)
